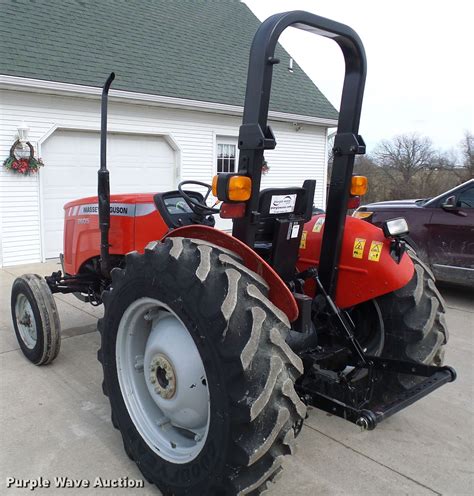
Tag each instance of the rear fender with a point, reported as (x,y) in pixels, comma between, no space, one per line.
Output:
(279,293)
(366,268)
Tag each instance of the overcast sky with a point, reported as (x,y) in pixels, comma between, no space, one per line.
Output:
(419,57)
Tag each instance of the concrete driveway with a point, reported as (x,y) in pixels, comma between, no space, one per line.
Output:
(55,422)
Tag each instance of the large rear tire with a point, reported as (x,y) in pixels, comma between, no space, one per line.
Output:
(414,328)
(232,339)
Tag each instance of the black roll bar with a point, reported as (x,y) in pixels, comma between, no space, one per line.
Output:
(255,135)
(103,185)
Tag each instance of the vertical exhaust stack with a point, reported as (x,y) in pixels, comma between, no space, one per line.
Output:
(103,184)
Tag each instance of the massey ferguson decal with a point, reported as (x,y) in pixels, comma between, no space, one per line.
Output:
(89,209)
(116,209)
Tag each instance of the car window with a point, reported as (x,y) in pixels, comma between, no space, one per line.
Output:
(466,198)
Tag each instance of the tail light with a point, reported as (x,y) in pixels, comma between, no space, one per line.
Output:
(353,202)
(232,210)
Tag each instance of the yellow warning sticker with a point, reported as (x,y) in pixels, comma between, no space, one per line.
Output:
(303,239)
(318,225)
(375,251)
(358,250)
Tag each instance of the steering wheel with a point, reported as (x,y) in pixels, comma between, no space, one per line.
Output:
(199,208)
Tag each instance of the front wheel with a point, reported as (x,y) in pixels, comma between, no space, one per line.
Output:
(35,319)
(197,371)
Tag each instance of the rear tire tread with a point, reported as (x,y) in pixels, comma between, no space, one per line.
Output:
(264,410)
(415,325)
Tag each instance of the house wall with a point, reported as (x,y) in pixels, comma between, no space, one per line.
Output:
(299,154)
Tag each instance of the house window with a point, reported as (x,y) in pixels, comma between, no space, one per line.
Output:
(226,157)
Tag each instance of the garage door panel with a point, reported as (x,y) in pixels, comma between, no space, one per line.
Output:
(155,178)
(128,176)
(137,164)
(136,179)
(65,177)
(131,146)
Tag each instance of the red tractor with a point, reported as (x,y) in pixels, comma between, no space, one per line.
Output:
(213,344)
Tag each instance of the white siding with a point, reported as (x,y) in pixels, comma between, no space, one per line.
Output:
(299,155)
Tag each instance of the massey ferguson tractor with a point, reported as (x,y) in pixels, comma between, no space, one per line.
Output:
(213,345)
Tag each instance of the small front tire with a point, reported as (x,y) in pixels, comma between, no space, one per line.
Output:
(35,319)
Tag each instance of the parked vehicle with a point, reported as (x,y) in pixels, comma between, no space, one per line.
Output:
(212,344)
(441,229)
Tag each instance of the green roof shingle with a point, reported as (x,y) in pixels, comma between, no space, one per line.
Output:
(193,49)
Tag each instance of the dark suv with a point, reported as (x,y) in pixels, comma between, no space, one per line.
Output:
(442,229)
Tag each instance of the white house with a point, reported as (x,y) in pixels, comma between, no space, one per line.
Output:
(174,112)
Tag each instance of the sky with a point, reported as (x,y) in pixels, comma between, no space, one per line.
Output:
(420,76)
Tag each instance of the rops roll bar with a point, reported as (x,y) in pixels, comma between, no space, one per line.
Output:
(255,135)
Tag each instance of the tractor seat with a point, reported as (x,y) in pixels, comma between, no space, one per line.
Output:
(280,205)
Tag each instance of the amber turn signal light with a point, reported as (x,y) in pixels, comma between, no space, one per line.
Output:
(232,187)
(214,185)
(239,188)
(359,185)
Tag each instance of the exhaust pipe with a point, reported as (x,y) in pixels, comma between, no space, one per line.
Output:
(103,184)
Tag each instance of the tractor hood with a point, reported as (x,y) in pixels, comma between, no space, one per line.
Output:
(123,198)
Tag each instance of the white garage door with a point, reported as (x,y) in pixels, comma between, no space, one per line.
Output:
(137,164)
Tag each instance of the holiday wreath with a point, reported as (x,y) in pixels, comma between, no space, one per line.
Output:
(22,165)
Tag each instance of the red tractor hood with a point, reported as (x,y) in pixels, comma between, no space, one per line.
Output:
(123,198)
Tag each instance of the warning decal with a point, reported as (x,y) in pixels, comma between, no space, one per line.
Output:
(358,250)
(295,230)
(318,225)
(303,239)
(375,251)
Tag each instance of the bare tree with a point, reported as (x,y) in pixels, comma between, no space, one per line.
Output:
(408,166)
(467,148)
(406,154)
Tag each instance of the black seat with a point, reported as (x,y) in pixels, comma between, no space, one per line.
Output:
(283,211)
(278,203)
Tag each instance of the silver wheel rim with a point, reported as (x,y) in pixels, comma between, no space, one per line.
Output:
(25,321)
(162,380)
